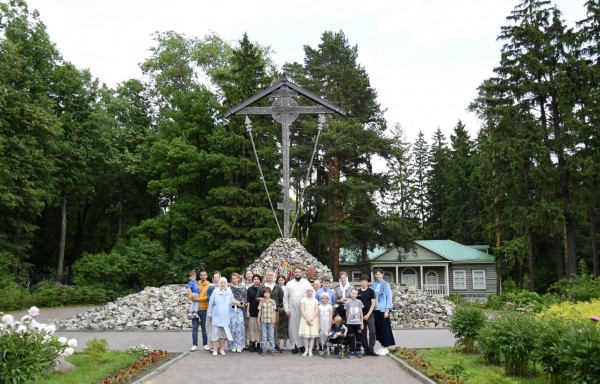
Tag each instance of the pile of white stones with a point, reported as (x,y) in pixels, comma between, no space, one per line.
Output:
(161,309)
(291,251)
(165,309)
(414,308)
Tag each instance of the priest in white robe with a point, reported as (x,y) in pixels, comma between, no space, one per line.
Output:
(297,288)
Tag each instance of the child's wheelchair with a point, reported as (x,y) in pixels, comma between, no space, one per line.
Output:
(335,344)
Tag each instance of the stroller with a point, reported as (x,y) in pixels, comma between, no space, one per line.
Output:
(336,341)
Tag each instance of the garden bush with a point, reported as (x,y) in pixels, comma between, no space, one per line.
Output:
(465,324)
(582,287)
(566,310)
(568,350)
(96,349)
(29,349)
(129,266)
(13,296)
(509,338)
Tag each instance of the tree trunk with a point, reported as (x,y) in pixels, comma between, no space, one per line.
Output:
(569,247)
(530,263)
(560,265)
(81,217)
(120,213)
(63,238)
(334,215)
(594,229)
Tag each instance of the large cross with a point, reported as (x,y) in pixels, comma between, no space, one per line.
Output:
(285,110)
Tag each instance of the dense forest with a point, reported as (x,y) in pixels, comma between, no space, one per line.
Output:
(143,180)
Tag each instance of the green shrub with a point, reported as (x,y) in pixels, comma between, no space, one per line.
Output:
(582,287)
(13,296)
(28,349)
(96,349)
(465,324)
(48,294)
(510,338)
(568,350)
(138,263)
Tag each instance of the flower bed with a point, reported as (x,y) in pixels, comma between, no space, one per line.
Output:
(424,366)
(132,371)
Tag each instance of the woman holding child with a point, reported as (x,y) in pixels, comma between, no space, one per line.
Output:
(236,314)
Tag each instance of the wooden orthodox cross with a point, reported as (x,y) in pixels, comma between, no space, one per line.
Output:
(285,110)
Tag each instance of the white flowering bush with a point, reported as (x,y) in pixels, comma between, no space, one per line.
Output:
(29,349)
(140,350)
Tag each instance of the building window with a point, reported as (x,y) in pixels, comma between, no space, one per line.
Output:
(431,278)
(356,276)
(478,279)
(460,279)
(409,277)
(387,276)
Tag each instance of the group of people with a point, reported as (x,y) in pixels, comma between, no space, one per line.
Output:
(264,316)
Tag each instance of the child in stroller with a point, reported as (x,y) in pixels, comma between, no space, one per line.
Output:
(336,338)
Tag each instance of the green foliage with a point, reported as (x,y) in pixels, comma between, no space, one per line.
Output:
(13,296)
(88,370)
(28,350)
(139,350)
(532,301)
(465,324)
(96,348)
(582,287)
(139,262)
(569,350)
(509,337)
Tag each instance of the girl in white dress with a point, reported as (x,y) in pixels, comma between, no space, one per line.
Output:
(309,321)
(325,321)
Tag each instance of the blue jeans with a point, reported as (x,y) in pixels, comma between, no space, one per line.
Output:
(267,330)
(202,322)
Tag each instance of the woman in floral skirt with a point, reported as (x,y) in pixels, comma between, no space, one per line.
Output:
(237,324)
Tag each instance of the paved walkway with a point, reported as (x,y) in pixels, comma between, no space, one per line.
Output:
(247,366)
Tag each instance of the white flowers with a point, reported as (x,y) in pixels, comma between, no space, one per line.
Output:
(34,311)
(30,329)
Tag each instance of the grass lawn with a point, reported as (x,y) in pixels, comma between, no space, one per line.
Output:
(471,369)
(88,370)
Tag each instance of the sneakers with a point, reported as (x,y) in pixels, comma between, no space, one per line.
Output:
(305,353)
(359,355)
(190,316)
(321,353)
(274,352)
(383,352)
(206,347)
(222,352)
(351,355)
(193,348)
(214,353)
(263,353)
(310,353)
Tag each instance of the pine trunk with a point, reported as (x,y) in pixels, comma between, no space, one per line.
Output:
(63,238)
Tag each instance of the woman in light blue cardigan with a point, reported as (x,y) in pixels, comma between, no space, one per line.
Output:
(383,307)
(219,305)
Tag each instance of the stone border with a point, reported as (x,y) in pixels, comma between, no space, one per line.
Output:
(411,370)
(160,368)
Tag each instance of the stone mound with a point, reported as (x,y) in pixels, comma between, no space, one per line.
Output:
(165,309)
(162,309)
(283,255)
(414,308)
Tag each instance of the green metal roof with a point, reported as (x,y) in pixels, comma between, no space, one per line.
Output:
(455,252)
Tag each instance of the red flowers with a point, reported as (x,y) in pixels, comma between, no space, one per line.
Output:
(126,374)
(424,366)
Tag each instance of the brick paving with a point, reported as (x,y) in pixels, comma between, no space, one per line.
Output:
(250,367)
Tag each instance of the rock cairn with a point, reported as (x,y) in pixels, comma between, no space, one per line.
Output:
(414,308)
(160,309)
(291,253)
(165,309)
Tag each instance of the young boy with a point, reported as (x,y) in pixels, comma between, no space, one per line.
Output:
(354,322)
(336,335)
(193,293)
(266,320)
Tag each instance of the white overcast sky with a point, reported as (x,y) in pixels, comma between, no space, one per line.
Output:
(425,58)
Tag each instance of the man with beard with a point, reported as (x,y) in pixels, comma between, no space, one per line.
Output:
(297,288)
